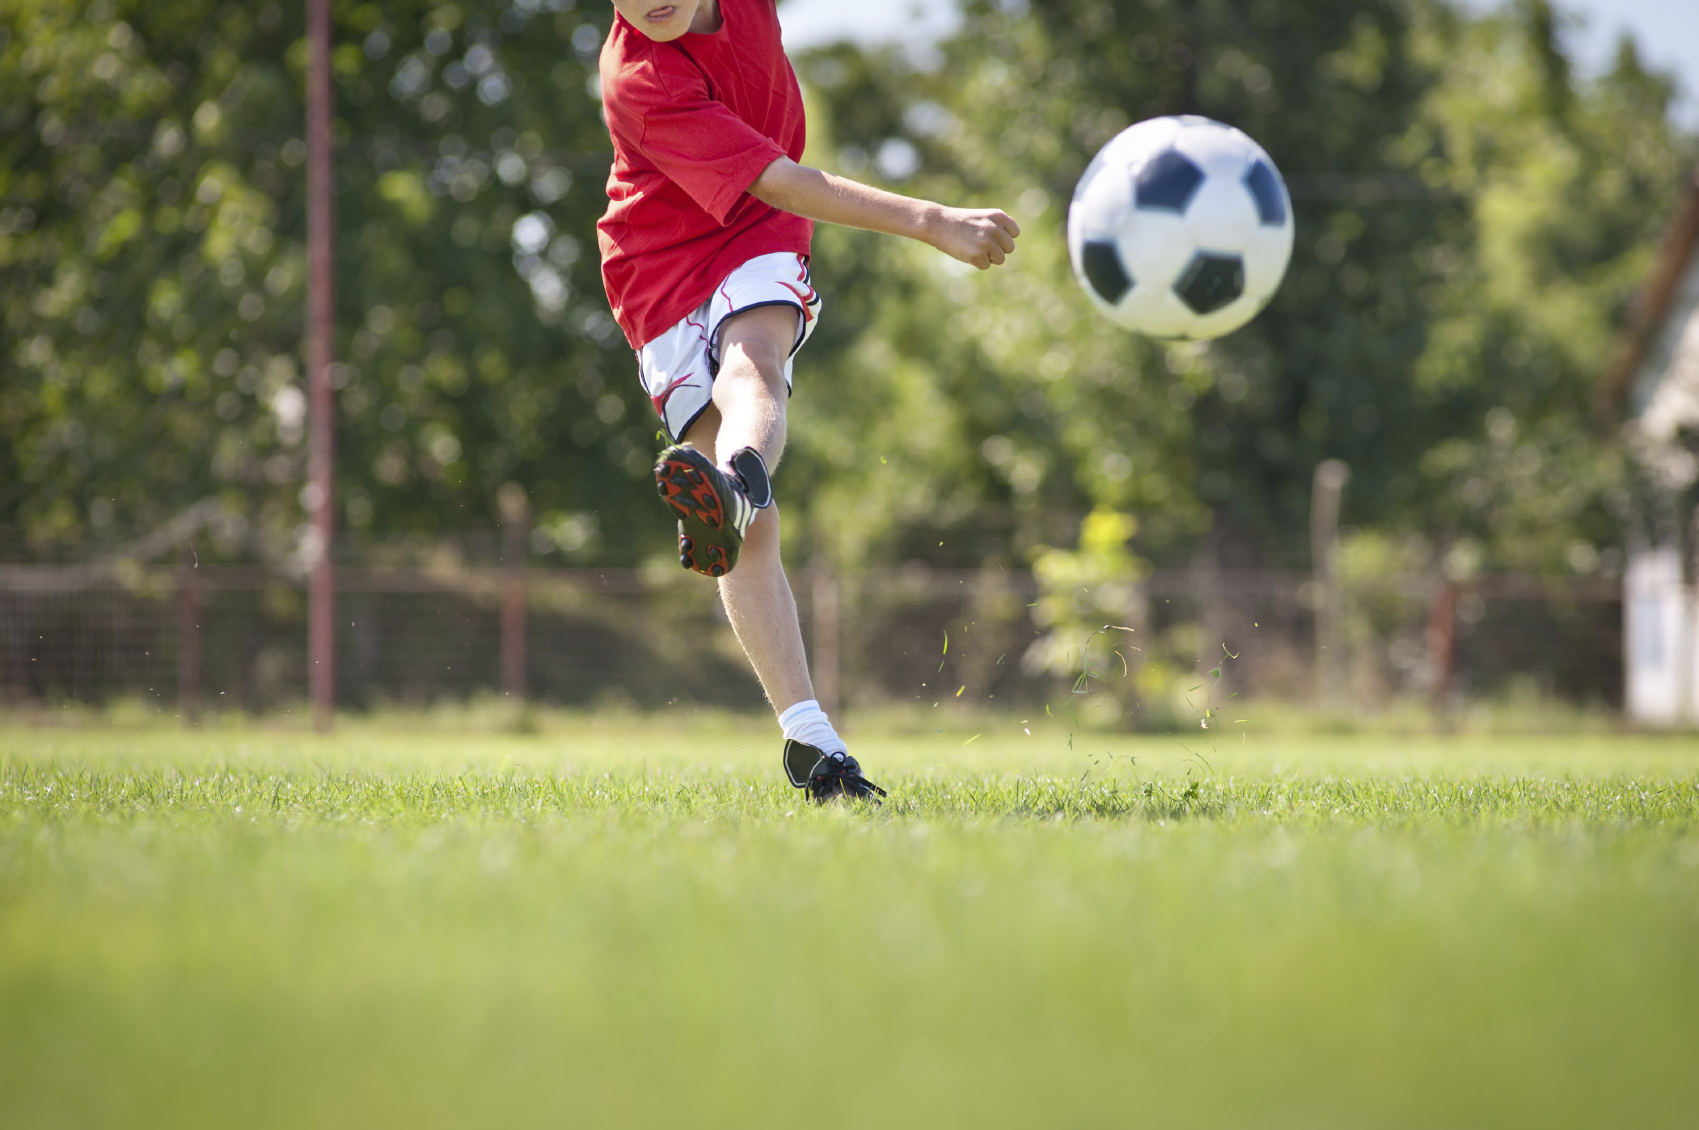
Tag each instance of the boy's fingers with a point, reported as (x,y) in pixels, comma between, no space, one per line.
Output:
(1006,222)
(1005,240)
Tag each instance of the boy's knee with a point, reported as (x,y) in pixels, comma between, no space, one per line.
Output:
(753,371)
(759,341)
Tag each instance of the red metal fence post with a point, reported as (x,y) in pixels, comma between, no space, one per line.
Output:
(1442,643)
(321,327)
(516,530)
(188,641)
(1332,673)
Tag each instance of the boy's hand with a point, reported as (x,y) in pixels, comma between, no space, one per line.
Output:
(980,237)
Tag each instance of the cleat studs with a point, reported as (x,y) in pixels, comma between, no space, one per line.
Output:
(716,570)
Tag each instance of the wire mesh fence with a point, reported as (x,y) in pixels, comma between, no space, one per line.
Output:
(235,637)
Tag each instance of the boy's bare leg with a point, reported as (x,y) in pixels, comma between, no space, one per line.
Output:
(749,411)
(750,389)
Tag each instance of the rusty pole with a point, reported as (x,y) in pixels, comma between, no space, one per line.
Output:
(1331,674)
(321,407)
(516,529)
(1442,642)
(188,639)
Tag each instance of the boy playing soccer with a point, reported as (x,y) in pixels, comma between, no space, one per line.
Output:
(705,250)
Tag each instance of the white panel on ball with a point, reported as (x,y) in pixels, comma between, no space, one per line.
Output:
(1181,227)
(1222,216)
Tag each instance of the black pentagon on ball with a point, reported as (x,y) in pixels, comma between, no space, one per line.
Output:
(1264,185)
(1167,182)
(1210,281)
(1104,269)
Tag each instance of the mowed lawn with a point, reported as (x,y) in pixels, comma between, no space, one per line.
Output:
(628,922)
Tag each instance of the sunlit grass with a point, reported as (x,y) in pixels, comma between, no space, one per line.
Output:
(632,921)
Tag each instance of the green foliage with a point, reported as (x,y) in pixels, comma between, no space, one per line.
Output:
(153,219)
(1471,219)
(1567,189)
(1093,612)
(448,930)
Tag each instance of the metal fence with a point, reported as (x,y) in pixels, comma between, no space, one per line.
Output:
(234,637)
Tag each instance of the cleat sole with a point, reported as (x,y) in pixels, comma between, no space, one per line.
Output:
(708,543)
(689,493)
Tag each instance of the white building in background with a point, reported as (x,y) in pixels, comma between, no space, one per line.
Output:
(1657,636)
(1656,381)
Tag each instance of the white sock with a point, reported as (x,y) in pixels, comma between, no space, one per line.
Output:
(806,722)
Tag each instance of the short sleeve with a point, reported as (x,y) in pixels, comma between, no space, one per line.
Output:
(708,151)
(663,105)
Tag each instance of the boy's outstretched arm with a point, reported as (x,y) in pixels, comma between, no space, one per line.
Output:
(980,236)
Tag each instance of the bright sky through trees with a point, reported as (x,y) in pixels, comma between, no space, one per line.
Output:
(1667,31)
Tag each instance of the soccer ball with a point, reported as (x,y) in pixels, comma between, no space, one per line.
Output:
(1181,228)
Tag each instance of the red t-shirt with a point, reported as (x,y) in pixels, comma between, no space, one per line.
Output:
(694,122)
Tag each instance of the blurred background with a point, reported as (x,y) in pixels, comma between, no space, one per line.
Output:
(1427,474)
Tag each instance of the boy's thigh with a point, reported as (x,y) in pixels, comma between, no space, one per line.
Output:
(704,433)
(678,368)
(777,281)
(765,335)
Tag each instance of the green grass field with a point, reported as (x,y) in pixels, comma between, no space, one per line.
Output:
(633,922)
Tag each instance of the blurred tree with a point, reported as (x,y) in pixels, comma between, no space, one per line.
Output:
(151,226)
(1567,189)
(1471,220)
(1471,217)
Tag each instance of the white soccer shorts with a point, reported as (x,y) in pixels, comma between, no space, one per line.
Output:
(678,368)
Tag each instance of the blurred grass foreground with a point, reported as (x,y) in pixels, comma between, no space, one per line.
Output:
(624,922)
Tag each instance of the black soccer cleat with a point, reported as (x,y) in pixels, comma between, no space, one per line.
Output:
(827,776)
(714,509)
(750,472)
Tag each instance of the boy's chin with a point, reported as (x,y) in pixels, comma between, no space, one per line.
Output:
(675,22)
